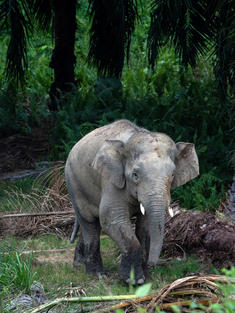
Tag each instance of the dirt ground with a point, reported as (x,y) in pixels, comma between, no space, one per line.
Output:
(63,256)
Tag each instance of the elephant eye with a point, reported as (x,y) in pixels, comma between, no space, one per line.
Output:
(135,177)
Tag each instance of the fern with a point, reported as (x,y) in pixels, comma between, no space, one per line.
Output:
(204,193)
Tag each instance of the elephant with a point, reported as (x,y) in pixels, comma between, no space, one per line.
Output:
(116,172)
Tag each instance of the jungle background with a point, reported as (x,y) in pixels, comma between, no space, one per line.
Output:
(156,84)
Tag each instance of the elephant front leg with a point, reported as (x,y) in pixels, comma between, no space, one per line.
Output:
(131,260)
(116,223)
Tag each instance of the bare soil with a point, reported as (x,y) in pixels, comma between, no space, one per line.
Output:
(65,256)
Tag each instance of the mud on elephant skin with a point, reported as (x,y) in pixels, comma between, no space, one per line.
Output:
(118,171)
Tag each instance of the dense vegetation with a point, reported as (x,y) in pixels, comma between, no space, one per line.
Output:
(185,104)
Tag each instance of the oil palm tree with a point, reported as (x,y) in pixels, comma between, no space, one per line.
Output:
(112,25)
(194,28)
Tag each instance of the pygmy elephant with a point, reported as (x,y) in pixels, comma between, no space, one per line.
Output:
(118,171)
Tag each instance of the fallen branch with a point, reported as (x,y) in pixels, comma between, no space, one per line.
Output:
(200,286)
(57,301)
(36,214)
(124,304)
(161,306)
(168,306)
(157,299)
(47,251)
(194,292)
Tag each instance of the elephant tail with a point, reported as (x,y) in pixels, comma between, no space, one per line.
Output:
(75,230)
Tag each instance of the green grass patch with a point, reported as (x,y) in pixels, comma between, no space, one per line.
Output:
(55,270)
(12,194)
(16,273)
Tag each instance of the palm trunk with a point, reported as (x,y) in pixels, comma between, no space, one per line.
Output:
(63,59)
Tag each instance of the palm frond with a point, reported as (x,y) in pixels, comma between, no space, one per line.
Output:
(224,64)
(43,13)
(184,23)
(193,27)
(112,23)
(17,15)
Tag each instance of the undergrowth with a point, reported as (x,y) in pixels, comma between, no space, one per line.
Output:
(183,104)
(16,274)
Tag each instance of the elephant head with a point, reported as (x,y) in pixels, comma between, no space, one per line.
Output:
(146,167)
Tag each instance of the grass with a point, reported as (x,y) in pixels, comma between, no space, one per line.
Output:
(55,270)
(11,193)
(46,193)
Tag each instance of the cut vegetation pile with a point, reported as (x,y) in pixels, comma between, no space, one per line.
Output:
(202,290)
(46,209)
(208,235)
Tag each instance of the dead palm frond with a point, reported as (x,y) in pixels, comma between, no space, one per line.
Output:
(32,211)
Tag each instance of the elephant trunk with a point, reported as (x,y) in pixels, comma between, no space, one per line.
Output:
(156,221)
(156,206)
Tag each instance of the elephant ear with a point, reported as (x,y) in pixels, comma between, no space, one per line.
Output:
(109,162)
(186,162)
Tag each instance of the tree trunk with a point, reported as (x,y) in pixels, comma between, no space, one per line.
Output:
(63,59)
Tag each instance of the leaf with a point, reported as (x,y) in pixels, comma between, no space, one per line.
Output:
(144,290)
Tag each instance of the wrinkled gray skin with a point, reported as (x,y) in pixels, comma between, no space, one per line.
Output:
(109,173)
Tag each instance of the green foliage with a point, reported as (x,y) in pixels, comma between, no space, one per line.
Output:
(228,290)
(12,195)
(16,274)
(227,302)
(183,104)
(177,268)
(196,28)
(205,193)
(144,290)
(15,271)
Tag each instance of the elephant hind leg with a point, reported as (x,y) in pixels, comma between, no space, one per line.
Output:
(88,247)
(79,254)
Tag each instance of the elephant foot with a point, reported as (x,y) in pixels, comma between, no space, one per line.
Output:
(134,282)
(129,262)
(77,263)
(79,259)
(147,275)
(96,270)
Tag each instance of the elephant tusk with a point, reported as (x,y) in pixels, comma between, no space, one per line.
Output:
(142,209)
(170,211)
